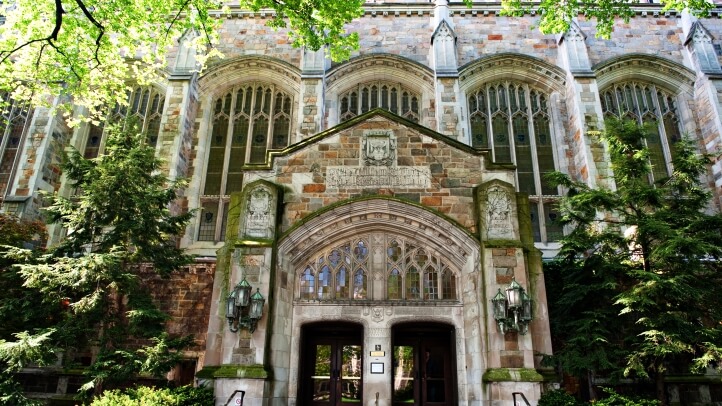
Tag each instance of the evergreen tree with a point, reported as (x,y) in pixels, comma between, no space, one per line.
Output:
(119,221)
(640,266)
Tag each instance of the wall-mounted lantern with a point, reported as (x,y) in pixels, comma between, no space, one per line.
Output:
(238,304)
(512,309)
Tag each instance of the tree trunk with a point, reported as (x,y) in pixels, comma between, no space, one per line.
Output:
(661,392)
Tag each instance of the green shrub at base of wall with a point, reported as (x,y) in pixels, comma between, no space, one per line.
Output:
(558,397)
(147,396)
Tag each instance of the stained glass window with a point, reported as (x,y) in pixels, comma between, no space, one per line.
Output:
(511,119)
(389,96)
(248,121)
(646,103)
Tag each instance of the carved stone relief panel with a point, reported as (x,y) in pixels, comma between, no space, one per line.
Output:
(258,218)
(498,211)
(379,166)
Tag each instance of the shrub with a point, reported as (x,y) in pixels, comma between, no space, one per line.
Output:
(558,397)
(615,399)
(148,396)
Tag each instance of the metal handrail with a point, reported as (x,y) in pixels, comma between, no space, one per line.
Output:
(514,394)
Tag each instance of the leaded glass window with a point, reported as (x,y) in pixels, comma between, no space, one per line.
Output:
(389,96)
(341,272)
(334,270)
(13,120)
(145,106)
(512,120)
(248,121)
(645,103)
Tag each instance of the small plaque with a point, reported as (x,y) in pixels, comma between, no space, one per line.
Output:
(377,367)
(378,353)
(377,347)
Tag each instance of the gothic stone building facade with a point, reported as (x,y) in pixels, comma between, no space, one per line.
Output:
(378,204)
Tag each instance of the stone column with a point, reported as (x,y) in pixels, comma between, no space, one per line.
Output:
(708,93)
(444,60)
(239,361)
(311,114)
(36,163)
(510,355)
(586,155)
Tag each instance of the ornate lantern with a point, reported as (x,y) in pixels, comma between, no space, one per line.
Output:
(512,309)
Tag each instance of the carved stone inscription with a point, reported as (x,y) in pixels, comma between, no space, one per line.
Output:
(499,221)
(259,217)
(378,176)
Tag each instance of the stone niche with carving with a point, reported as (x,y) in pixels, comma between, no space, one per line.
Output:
(258,211)
(498,215)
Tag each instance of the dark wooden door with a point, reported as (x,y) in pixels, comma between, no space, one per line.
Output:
(422,370)
(333,369)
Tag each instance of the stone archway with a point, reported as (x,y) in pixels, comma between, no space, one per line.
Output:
(430,242)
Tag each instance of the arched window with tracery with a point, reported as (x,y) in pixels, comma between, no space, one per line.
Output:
(646,103)
(248,121)
(145,105)
(386,95)
(512,119)
(13,122)
(411,272)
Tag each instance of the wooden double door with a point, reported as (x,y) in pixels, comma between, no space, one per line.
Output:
(422,370)
(332,362)
(423,365)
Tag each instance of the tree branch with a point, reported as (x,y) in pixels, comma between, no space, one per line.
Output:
(176,17)
(95,23)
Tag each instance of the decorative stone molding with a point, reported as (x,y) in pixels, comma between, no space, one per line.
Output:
(220,76)
(668,74)
(314,63)
(575,47)
(381,214)
(185,61)
(512,66)
(699,43)
(370,67)
(443,40)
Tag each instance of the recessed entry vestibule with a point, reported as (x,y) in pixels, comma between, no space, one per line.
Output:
(338,366)
(369,293)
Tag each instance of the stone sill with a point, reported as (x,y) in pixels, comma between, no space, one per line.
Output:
(333,302)
(234,371)
(512,375)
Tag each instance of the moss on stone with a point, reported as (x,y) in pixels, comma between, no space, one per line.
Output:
(512,375)
(234,371)
(503,244)
(497,375)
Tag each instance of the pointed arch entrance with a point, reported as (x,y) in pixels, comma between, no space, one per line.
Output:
(379,263)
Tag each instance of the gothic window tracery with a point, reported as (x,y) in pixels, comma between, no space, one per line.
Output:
(13,120)
(410,272)
(145,104)
(646,103)
(389,96)
(248,121)
(512,119)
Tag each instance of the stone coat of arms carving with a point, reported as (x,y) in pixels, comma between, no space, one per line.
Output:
(379,148)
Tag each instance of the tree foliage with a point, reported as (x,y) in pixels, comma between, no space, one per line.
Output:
(556,15)
(88,49)
(641,267)
(119,221)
